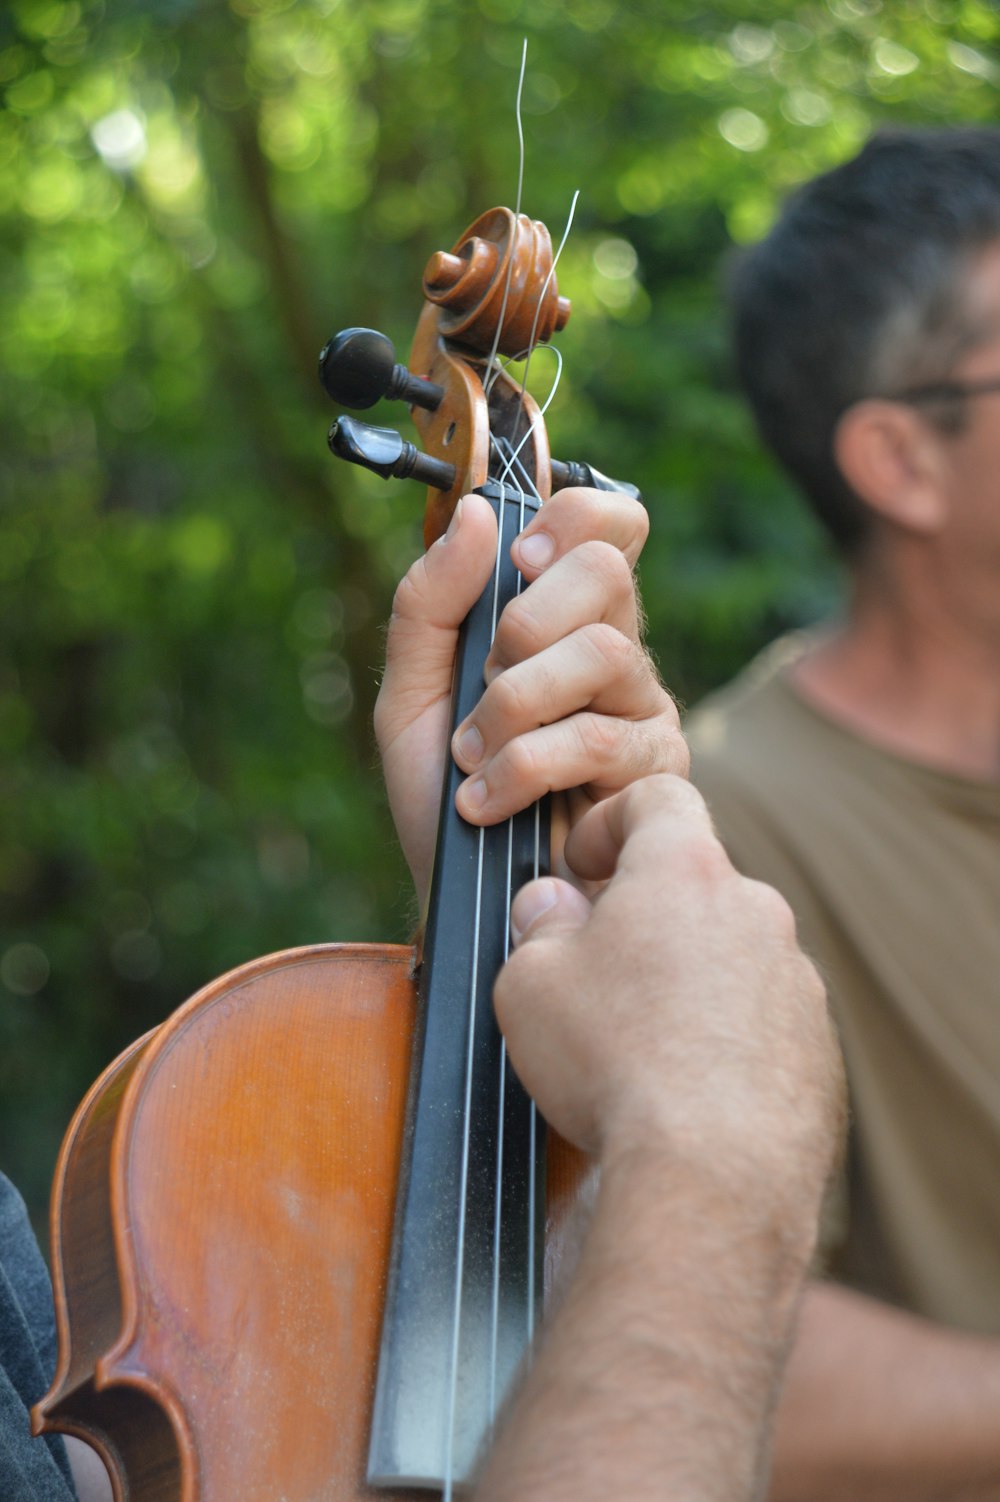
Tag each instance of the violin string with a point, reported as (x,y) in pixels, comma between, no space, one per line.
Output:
(532,1108)
(532,346)
(498,1180)
(510,460)
(545,287)
(514,456)
(498,1201)
(488,384)
(523,480)
(457,1312)
(533,1140)
(467,1114)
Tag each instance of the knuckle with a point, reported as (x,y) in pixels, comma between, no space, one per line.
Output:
(706,857)
(518,762)
(408,592)
(664,705)
(658,752)
(669,792)
(677,752)
(519,632)
(575,509)
(608,643)
(599,737)
(609,563)
(506,696)
(814,989)
(643,751)
(669,707)
(674,814)
(772,909)
(591,513)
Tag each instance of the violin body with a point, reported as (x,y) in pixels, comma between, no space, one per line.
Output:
(222,1218)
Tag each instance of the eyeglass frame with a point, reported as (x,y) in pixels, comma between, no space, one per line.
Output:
(945,391)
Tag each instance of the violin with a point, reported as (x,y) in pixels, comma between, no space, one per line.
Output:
(302,1231)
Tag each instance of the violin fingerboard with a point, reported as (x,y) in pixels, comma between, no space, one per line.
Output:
(465,1278)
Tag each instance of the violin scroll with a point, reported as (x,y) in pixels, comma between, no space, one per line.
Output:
(499,274)
(494,293)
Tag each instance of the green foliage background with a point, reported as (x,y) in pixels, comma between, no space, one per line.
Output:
(193,194)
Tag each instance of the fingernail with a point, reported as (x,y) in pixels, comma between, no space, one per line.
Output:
(469,745)
(474,794)
(537,549)
(453,525)
(532,901)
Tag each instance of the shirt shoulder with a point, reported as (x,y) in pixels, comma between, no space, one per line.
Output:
(755,749)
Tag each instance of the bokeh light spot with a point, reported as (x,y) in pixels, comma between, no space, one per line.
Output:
(24,969)
(30,94)
(743,129)
(968,60)
(751,44)
(201,544)
(806,107)
(889,57)
(615,258)
(136,955)
(120,138)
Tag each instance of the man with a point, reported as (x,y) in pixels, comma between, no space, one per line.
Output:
(673,1028)
(858,770)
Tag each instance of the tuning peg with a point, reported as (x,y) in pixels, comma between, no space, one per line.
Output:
(572,473)
(358,366)
(387,453)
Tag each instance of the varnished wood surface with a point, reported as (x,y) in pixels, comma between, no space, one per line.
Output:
(222,1251)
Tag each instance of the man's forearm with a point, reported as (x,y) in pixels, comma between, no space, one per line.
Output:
(661,1366)
(881,1406)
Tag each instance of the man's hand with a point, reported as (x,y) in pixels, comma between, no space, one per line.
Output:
(677,1005)
(573,701)
(674,1027)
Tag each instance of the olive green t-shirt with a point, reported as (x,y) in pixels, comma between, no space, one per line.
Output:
(893,870)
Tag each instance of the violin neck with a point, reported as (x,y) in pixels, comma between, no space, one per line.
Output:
(465,1279)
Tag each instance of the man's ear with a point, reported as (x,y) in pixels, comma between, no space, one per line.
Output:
(895,462)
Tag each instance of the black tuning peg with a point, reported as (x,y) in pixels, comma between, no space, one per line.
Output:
(387,453)
(358,366)
(572,473)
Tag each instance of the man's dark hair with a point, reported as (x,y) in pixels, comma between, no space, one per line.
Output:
(859,291)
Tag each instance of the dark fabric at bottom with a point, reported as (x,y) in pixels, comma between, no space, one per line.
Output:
(31,1470)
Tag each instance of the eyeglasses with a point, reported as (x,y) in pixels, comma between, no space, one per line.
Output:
(944,391)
